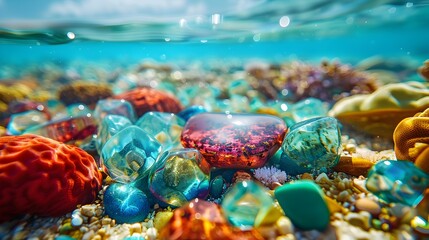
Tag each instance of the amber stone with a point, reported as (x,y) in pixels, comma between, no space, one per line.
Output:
(234,140)
(200,219)
(148,99)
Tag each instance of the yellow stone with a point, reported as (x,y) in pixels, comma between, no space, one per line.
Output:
(269,217)
(161,219)
(333,205)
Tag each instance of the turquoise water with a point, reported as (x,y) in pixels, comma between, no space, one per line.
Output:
(60,32)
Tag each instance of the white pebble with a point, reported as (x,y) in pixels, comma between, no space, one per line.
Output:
(151,233)
(76,220)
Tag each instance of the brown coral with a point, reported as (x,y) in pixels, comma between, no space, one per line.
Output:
(329,82)
(411,138)
(44,177)
(147,99)
(424,70)
(84,92)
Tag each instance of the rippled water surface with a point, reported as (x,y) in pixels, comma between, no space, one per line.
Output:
(185,29)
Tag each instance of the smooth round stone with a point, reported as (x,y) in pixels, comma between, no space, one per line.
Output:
(234,140)
(125,203)
(303,202)
(314,143)
(366,204)
(216,186)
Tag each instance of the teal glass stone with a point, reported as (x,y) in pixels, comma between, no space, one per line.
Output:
(180,176)
(314,143)
(217,186)
(129,154)
(309,108)
(397,181)
(289,166)
(110,125)
(77,110)
(165,127)
(189,112)
(303,202)
(19,122)
(114,107)
(125,203)
(244,202)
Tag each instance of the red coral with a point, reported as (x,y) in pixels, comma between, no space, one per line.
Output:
(147,99)
(44,177)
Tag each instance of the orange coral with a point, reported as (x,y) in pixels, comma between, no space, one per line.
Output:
(411,138)
(147,99)
(44,177)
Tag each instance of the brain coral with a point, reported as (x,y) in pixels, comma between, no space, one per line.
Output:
(147,99)
(44,177)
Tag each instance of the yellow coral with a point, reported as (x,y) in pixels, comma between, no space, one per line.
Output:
(411,138)
(379,113)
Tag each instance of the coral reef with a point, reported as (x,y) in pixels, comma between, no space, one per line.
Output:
(329,82)
(44,177)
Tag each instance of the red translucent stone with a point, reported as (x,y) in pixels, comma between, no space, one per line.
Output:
(234,140)
(200,219)
(44,177)
(148,99)
(67,129)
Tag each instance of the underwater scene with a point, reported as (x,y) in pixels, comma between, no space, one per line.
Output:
(198,119)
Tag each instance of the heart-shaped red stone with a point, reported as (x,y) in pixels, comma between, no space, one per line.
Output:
(234,140)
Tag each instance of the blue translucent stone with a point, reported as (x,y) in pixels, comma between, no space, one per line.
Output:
(110,125)
(19,122)
(129,154)
(165,127)
(397,181)
(77,110)
(280,161)
(125,203)
(114,107)
(313,143)
(189,112)
(244,202)
(125,83)
(309,108)
(180,176)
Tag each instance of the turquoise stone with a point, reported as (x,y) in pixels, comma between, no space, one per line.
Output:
(114,107)
(179,176)
(19,122)
(77,110)
(309,108)
(234,140)
(397,181)
(125,203)
(313,143)
(110,125)
(188,112)
(217,185)
(244,202)
(129,154)
(303,202)
(165,127)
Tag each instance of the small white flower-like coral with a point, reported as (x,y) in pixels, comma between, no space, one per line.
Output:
(269,175)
